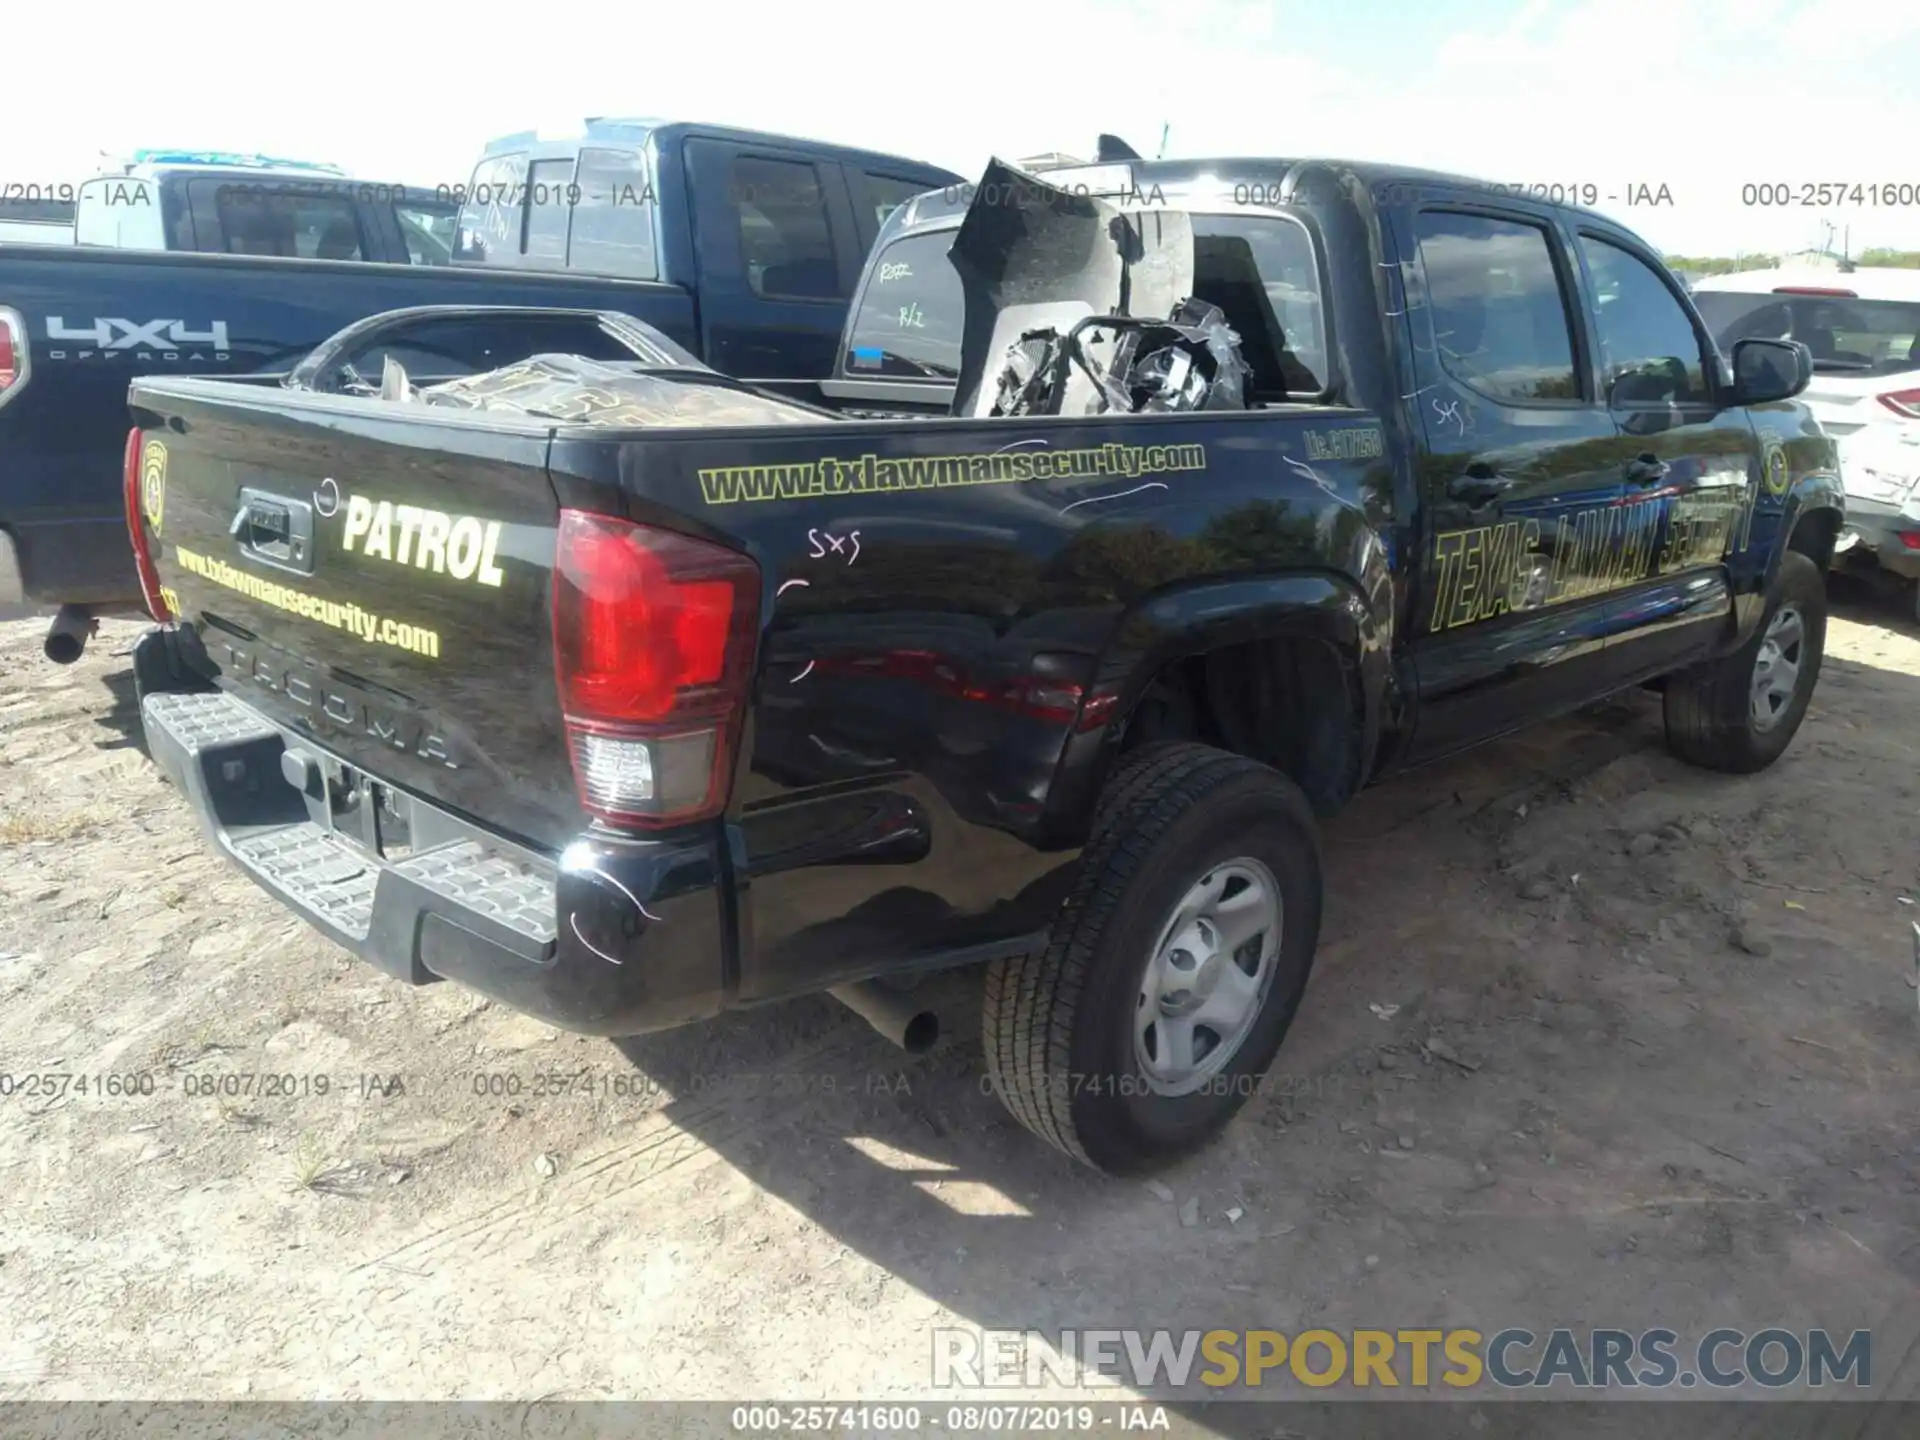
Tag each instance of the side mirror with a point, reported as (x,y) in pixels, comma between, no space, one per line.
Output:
(1768,370)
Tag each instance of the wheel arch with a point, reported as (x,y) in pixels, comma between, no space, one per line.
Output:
(1317,624)
(1811,514)
(1813,528)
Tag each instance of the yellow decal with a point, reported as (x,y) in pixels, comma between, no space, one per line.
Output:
(1483,573)
(875,475)
(374,629)
(1368,443)
(153,482)
(1776,470)
(1496,569)
(462,546)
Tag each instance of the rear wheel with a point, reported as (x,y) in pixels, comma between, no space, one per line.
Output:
(1172,972)
(1740,713)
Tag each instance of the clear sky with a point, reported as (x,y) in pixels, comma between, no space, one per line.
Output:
(1701,96)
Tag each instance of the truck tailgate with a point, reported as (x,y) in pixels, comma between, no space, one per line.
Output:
(375,577)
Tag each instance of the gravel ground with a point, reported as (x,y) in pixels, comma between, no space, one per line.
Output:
(1593,1039)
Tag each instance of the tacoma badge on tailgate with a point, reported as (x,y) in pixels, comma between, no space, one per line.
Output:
(326,697)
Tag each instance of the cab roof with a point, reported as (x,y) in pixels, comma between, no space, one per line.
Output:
(151,164)
(1189,180)
(639,130)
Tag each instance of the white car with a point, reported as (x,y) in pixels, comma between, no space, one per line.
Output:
(1863,326)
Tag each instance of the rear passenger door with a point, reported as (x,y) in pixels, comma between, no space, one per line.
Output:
(1692,468)
(1520,475)
(779,255)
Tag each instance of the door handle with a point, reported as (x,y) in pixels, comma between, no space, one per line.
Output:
(1479,484)
(1647,470)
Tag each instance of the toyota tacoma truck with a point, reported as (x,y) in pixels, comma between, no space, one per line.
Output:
(743,247)
(627,694)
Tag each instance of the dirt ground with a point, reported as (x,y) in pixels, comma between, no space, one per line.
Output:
(1679,1011)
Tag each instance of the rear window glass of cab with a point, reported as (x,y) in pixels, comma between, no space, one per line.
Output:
(1259,269)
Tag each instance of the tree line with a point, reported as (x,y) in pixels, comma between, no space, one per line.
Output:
(1728,264)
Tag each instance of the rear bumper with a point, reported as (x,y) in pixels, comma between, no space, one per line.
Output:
(1877,527)
(608,939)
(75,562)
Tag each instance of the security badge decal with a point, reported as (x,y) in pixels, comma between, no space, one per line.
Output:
(1776,472)
(153,482)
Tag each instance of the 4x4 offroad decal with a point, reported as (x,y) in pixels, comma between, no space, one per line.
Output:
(110,337)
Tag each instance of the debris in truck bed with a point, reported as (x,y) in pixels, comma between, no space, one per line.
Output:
(1044,270)
(578,391)
(1032,256)
(1190,361)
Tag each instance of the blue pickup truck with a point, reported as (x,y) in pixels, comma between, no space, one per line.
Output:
(743,247)
(221,203)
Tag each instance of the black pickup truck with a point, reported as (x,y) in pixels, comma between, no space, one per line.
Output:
(742,247)
(627,694)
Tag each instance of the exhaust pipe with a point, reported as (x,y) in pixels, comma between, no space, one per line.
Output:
(68,635)
(892,1012)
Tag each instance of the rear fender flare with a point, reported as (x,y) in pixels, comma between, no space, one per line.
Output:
(1176,625)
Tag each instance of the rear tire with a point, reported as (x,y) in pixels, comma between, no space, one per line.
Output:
(1172,972)
(1738,714)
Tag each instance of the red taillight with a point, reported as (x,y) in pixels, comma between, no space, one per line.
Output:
(1904,403)
(1814,290)
(145,475)
(13,354)
(1909,538)
(653,639)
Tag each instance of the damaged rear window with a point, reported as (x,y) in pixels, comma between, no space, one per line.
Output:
(1259,270)
(910,314)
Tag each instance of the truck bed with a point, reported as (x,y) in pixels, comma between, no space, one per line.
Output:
(945,613)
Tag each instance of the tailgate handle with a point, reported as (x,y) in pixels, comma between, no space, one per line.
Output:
(275,530)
